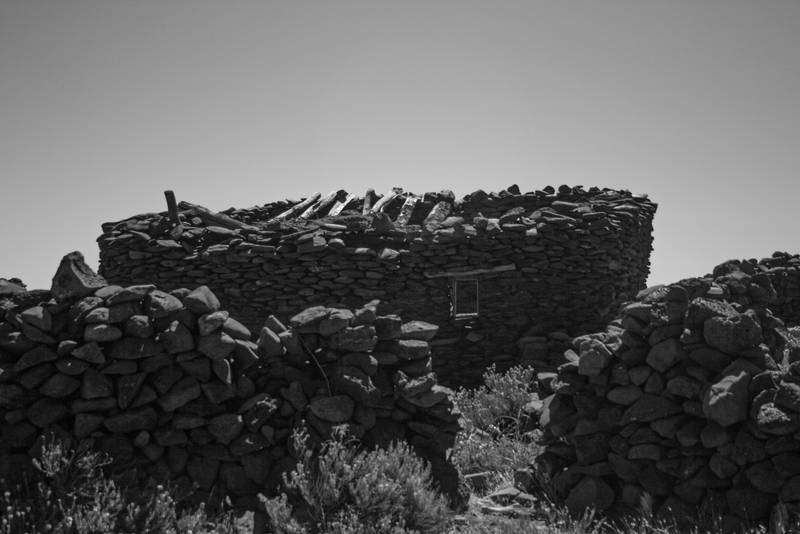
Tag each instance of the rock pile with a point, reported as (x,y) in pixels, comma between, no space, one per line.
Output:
(538,263)
(692,397)
(173,387)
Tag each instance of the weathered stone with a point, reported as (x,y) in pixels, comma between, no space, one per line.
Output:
(734,333)
(129,348)
(59,385)
(182,392)
(625,395)
(134,293)
(248,443)
(235,329)
(38,317)
(308,321)
(138,326)
(95,386)
(594,358)
(726,401)
(226,427)
(388,327)
(666,354)
(130,421)
(45,412)
(334,409)
(39,355)
(356,384)
(128,387)
(201,300)
(211,322)
(589,493)
(176,338)
(270,342)
(354,339)
(788,395)
(337,319)
(75,279)
(650,408)
(161,304)
(771,419)
(420,330)
(216,346)
(101,333)
(258,410)
(91,353)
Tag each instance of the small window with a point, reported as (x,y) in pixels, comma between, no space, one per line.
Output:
(465,296)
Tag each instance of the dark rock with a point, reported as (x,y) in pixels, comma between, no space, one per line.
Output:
(130,421)
(726,402)
(335,409)
(75,279)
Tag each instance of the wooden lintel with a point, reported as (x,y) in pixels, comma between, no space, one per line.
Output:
(473,272)
(213,218)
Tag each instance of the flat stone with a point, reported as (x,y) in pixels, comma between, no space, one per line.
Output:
(130,348)
(248,444)
(94,385)
(128,388)
(594,358)
(216,346)
(38,317)
(236,330)
(334,409)
(45,412)
(182,392)
(650,408)
(71,366)
(388,327)
(211,322)
(270,342)
(411,349)
(419,330)
(101,333)
(625,395)
(176,338)
(226,427)
(134,293)
(258,410)
(354,339)
(726,401)
(133,420)
(683,386)
(75,279)
(429,399)
(734,333)
(161,304)
(589,493)
(308,320)
(337,319)
(59,385)
(93,405)
(34,357)
(139,326)
(357,385)
(202,300)
(665,354)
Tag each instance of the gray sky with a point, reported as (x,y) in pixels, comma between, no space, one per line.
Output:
(106,103)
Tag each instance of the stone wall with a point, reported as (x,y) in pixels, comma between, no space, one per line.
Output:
(549,264)
(692,396)
(173,387)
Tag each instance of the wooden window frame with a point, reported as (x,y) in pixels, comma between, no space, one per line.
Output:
(454,283)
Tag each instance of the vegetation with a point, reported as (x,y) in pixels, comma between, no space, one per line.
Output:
(339,489)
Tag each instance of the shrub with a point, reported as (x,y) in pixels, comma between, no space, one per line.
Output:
(68,493)
(497,406)
(343,490)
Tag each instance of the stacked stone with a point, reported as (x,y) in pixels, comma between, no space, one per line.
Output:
(548,261)
(692,397)
(172,387)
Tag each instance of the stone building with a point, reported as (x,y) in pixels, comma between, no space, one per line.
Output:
(508,277)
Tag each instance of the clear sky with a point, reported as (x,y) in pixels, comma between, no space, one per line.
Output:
(106,103)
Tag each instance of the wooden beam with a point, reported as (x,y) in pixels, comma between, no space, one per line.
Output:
(339,207)
(213,218)
(369,200)
(172,207)
(407,210)
(384,201)
(321,205)
(298,208)
(474,272)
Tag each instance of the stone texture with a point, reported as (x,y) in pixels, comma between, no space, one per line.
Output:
(75,279)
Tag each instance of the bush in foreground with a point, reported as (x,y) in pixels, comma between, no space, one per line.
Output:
(68,493)
(343,490)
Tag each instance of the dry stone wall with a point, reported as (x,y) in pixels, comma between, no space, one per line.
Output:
(173,387)
(692,397)
(550,264)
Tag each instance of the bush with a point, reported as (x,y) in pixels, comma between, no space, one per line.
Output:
(497,406)
(68,493)
(346,491)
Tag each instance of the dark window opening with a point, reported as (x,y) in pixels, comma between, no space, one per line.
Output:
(465,296)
